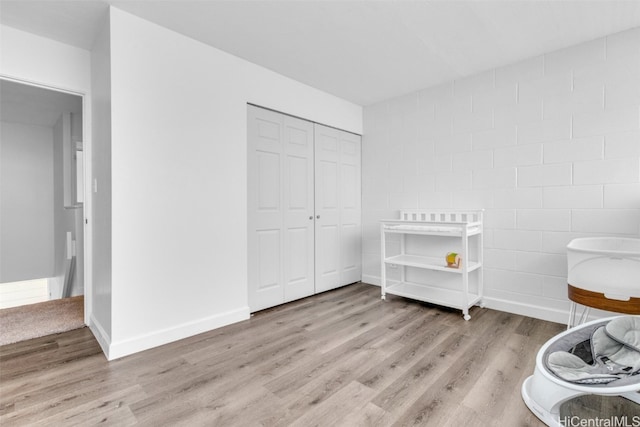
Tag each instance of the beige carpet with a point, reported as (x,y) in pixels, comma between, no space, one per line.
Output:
(44,318)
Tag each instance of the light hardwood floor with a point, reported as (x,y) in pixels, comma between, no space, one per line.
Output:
(339,358)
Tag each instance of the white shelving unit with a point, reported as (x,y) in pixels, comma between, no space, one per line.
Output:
(424,238)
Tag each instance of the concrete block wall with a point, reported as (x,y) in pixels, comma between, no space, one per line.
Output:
(549,147)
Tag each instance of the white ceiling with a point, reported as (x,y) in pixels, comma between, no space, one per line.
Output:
(363,51)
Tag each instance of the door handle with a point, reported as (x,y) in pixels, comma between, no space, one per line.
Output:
(311,217)
(317,216)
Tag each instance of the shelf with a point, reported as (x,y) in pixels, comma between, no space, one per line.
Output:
(471,231)
(430,263)
(454,229)
(433,294)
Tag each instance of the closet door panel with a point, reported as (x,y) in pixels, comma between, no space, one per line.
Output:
(350,208)
(268,182)
(299,209)
(268,242)
(327,205)
(338,189)
(265,212)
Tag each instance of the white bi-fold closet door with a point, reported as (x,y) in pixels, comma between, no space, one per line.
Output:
(304,229)
(337,207)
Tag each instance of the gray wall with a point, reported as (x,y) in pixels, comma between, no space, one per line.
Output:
(26,202)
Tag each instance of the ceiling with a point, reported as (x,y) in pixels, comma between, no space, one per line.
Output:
(363,51)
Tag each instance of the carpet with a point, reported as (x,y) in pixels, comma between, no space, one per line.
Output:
(40,319)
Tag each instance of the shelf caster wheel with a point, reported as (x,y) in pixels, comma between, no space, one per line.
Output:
(383,297)
(482,304)
(467,317)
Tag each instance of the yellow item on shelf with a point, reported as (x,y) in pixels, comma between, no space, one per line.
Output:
(453,260)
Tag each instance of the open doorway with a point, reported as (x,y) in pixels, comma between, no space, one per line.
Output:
(41,196)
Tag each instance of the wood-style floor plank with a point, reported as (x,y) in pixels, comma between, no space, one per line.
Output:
(341,358)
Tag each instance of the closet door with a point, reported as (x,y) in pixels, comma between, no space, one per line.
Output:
(337,207)
(280,208)
(298,226)
(350,208)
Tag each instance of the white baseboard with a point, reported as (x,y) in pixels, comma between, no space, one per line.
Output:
(529,310)
(100,334)
(371,280)
(164,336)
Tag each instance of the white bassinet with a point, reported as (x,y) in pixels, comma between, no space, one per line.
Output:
(603,273)
(544,392)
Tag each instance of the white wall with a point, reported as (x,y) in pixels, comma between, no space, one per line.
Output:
(100,186)
(39,60)
(26,202)
(32,59)
(550,147)
(178,200)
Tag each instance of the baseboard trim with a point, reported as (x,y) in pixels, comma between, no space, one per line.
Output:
(529,310)
(100,334)
(164,336)
(371,280)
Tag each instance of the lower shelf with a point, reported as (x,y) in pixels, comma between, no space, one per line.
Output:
(432,294)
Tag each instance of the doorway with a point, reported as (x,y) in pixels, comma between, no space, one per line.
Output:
(41,197)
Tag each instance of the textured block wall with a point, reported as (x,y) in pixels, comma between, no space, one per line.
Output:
(549,147)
